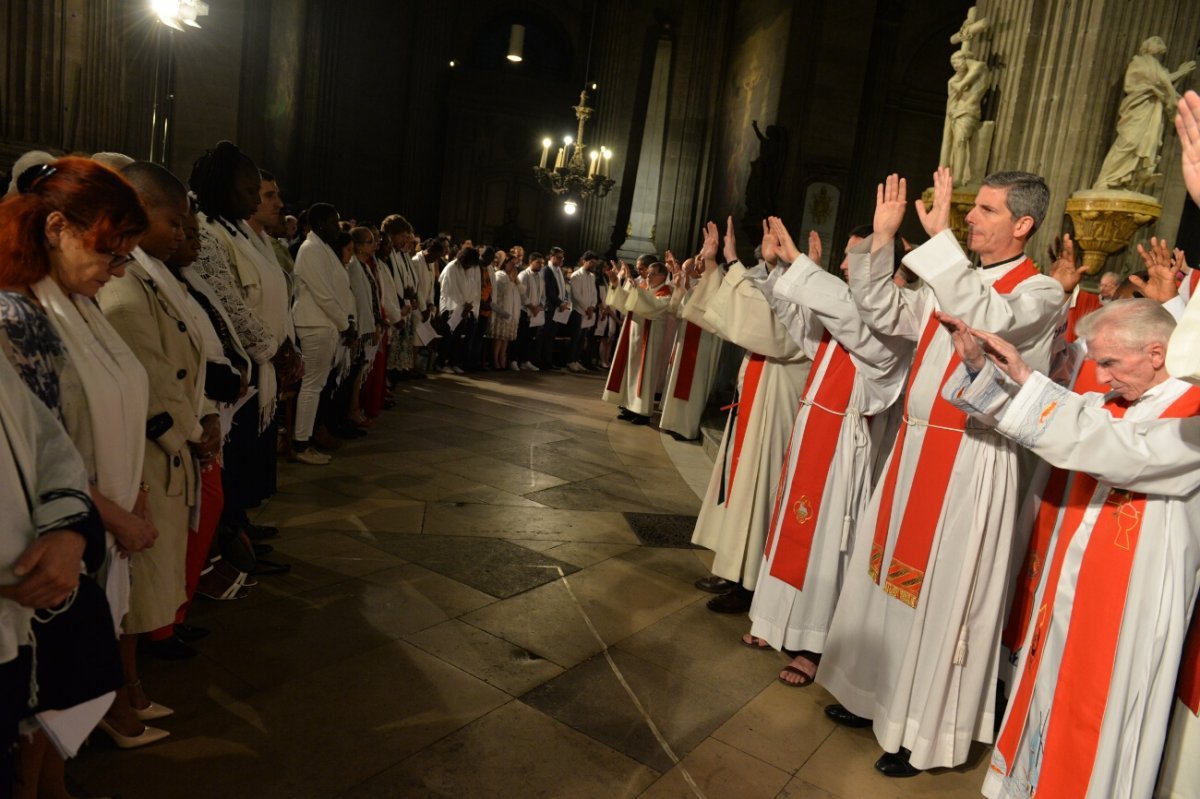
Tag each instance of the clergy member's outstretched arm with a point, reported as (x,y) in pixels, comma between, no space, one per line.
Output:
(882,305)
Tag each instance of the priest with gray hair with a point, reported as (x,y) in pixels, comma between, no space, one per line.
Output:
(1096,679)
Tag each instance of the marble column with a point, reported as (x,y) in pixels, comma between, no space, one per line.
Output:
(1058,68)
(643,216)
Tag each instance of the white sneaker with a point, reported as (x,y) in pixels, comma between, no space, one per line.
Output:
(446,370)
(529,367)
(574,366)
(312,457)
(458,370)
(514,366)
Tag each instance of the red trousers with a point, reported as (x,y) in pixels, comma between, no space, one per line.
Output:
(375,387)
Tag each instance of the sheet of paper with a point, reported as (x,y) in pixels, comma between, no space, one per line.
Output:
(562,317)
(424,333)
(456,317)
(586,321)
(538,319)
(68,729)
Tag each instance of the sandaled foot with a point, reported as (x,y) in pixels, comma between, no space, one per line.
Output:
(799,673)
(755,642)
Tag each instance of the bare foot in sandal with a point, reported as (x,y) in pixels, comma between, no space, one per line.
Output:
(800,672)
(754,642)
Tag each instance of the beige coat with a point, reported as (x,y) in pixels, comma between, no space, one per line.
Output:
(161,342)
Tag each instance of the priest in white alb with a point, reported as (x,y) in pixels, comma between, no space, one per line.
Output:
(638,364)
(826,482)
(692,368)
(1097,675)
(735,514)
(914,642)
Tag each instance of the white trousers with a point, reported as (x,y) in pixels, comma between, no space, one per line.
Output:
(317,345)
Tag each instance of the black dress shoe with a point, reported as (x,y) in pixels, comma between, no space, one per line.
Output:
(840,715)
(190,632)
(260,532)
(895,764)
(625,414)
(715,585)
(639,419)
(736,601)
(168,648)
(262,550)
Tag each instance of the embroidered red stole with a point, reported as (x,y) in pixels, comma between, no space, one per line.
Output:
(741,414)
(687,362)
(918,526)
(616,374)
(798,508)
(1072,734)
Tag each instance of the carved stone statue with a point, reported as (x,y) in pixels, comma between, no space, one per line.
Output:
(963,111)
(971,29)
(1149,92)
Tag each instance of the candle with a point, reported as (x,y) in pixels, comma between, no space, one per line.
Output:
(567,141)
(558,162)
(545,152)
(608,163)
(593,157)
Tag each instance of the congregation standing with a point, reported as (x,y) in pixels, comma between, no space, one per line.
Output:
(164,346)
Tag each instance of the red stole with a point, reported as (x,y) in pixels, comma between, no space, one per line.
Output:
(616,374)
(800,505)
(1085,303)
(687,362)
(1072,734)
(741,414)
(914,542)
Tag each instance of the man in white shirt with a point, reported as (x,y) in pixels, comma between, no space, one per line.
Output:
(585,301)
(533,309)
(459,307)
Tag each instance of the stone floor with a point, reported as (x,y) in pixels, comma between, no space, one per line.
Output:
(470,614)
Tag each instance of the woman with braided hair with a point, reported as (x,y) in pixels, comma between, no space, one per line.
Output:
(254,293)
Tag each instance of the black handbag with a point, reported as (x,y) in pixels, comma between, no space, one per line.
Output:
(76,656)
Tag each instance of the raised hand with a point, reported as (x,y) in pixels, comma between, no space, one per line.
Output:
(1064,269)
(814,246)
(937,218)
(891,201)
(1004,355)
(1161,285)
(770,245)
(730,241)
(787,247)
(1179,263)
(1187,123)
(671,263)
(708,247)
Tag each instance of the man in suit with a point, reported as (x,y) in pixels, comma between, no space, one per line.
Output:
(558,298)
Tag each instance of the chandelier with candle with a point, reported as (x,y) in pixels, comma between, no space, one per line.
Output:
(577,172)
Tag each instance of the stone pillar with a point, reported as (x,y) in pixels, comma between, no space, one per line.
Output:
(643,216)
(1058,69)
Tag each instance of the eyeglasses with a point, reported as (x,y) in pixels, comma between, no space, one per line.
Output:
(118,261)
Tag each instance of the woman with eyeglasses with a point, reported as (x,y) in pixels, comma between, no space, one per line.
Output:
(67,232)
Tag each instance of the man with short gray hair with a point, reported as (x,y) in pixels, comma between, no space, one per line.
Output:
(1096,679)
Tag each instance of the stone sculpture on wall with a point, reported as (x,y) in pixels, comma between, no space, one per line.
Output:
(1149,92)
(960,139)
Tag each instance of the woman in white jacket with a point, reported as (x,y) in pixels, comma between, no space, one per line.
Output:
(324,309)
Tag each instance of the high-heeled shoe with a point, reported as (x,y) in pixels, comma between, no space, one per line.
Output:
(152,711)
(148,736)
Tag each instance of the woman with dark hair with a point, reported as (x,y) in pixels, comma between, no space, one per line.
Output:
(254,293)
(66,233)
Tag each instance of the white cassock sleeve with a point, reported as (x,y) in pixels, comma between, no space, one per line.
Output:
(1158,456)
(617,296)
(741,313)
(701,295)
(643,303)
(1019,317)
(883,360)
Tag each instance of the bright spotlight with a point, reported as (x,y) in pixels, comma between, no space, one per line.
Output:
(569,208)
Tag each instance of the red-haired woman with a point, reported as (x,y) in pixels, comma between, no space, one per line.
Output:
(67,232)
